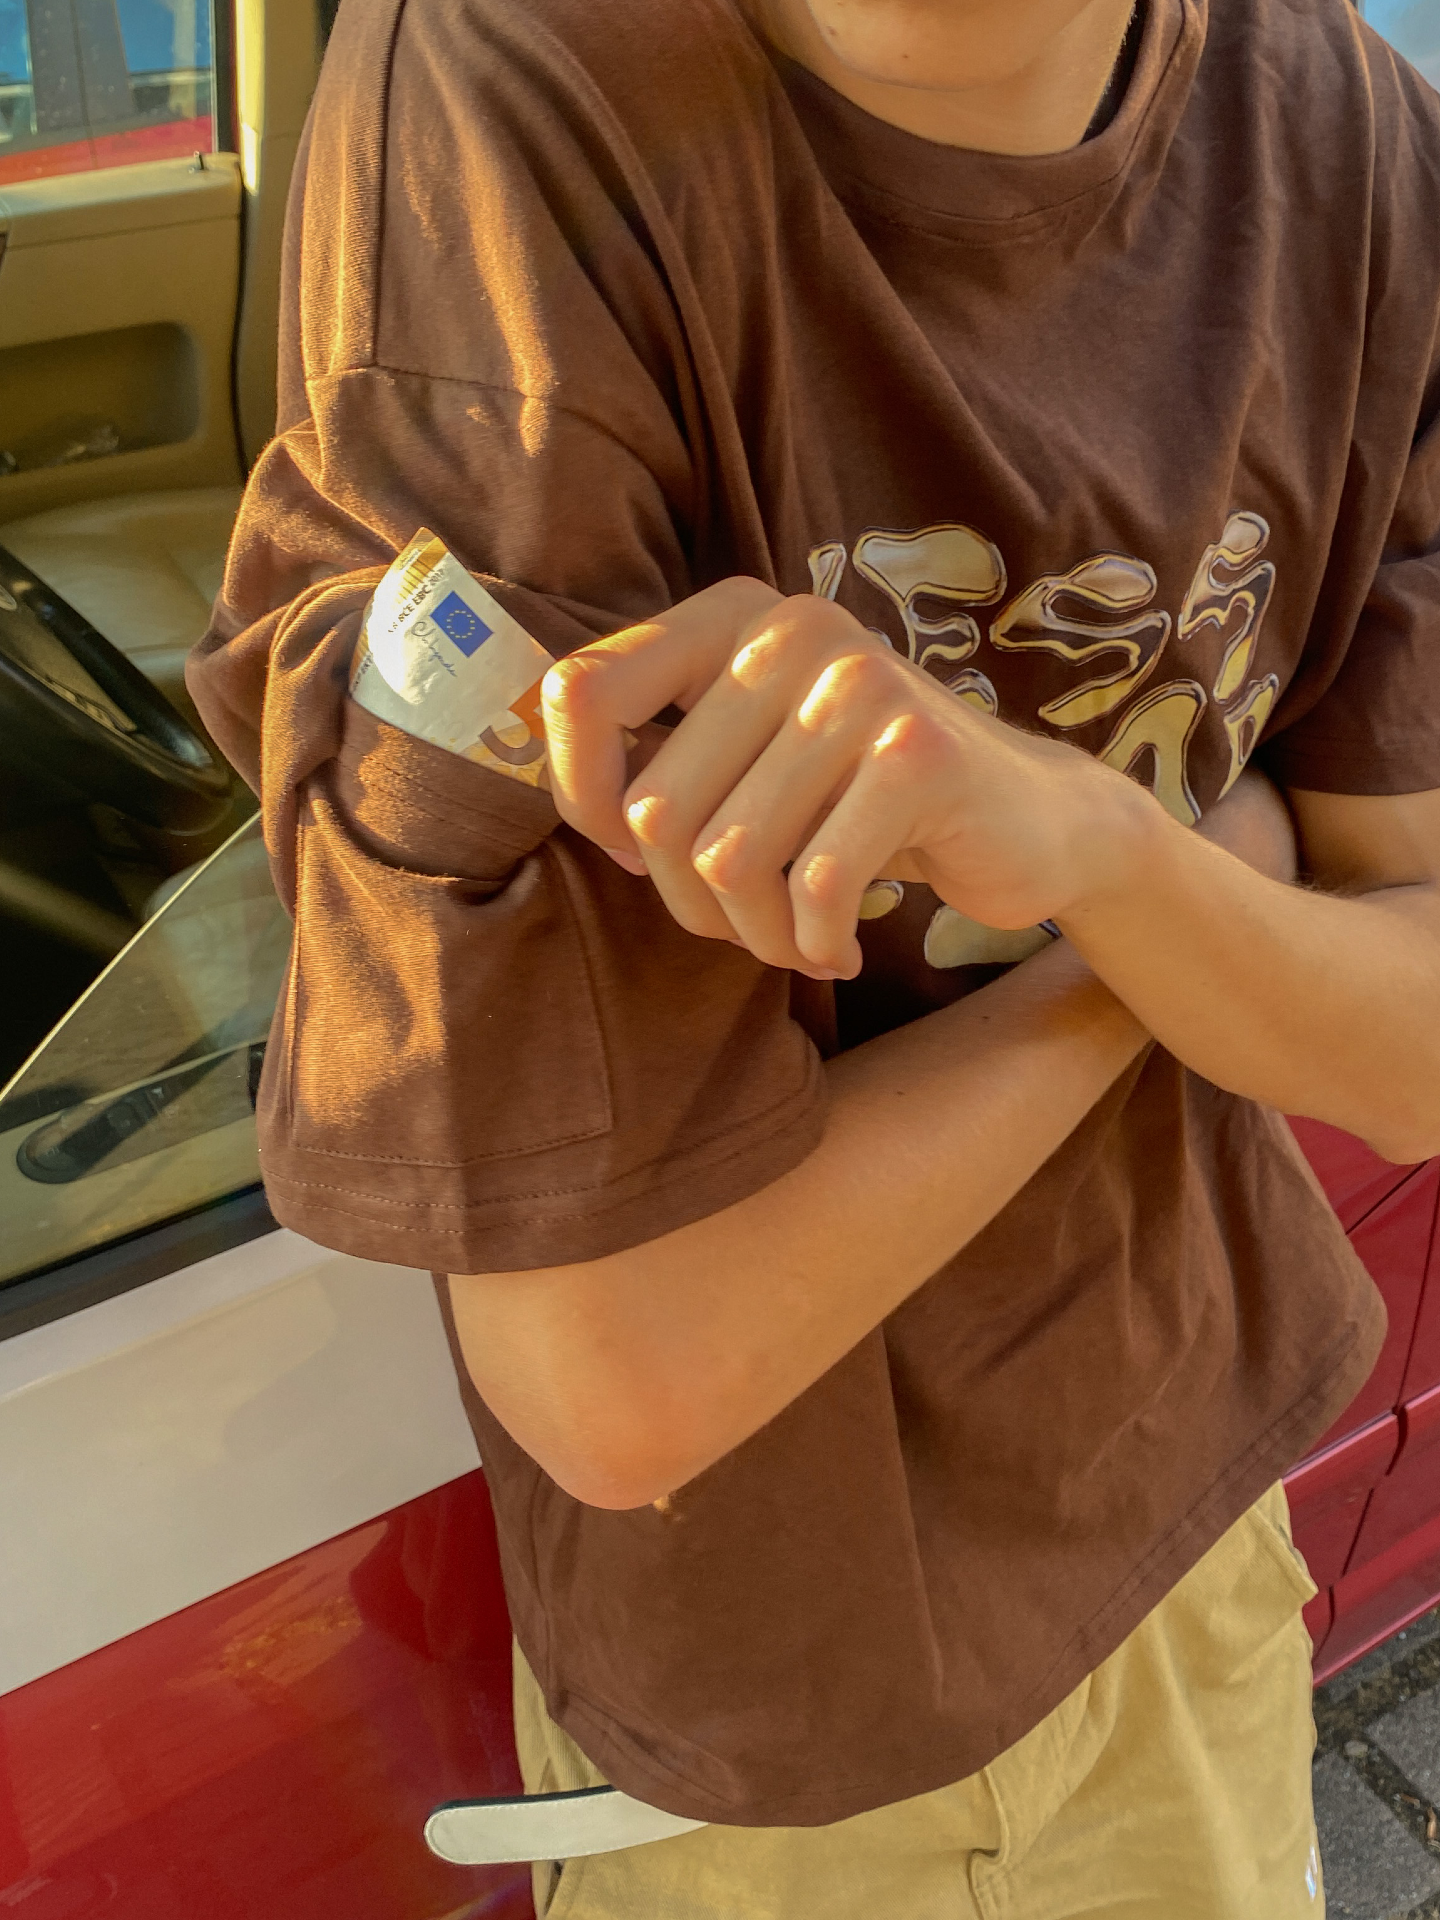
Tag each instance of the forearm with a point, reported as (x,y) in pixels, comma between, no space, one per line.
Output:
(628,1376)
(1312,1003)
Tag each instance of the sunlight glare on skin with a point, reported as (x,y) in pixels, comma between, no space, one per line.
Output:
(756,659)
(714,861)
(645,818)
(825,704)
(894,737)
(822,878)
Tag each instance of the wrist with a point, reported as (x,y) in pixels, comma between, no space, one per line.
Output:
(1122,836)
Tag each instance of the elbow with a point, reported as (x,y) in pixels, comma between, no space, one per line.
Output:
(1407,1133)
(614,1449)
(1403,1148)
(614,1473)
(616,1420)
(595,1484)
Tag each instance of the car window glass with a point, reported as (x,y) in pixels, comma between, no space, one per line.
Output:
(140,1105)
(102,83)
(1413,28)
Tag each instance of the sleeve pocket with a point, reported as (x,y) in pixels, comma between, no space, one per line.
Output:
(440,1011)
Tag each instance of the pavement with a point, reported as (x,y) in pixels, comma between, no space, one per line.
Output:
(1377,1780)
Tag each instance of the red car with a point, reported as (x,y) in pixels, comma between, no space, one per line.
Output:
(251,1622)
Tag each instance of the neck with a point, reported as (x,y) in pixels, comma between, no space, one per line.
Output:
(1005,76)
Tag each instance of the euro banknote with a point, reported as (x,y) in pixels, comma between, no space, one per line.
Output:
(439,657)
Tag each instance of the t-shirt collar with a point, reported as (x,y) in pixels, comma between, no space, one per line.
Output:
(1005,198)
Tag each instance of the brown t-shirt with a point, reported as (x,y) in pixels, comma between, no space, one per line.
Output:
(1134,443)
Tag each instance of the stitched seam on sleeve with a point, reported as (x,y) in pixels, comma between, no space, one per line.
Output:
(552,406)
(684,1170)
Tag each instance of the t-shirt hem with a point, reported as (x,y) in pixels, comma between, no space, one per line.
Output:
(547,1227)
(1227,1499)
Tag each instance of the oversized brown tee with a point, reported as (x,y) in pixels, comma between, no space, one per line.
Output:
(1133,443)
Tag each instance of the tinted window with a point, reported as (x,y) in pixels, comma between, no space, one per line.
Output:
(102,83)
(139,1106)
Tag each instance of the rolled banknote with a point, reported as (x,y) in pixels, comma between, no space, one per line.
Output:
(439,657)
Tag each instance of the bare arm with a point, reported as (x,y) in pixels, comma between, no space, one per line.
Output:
(625,1377)
(812,756)
(1325,1004)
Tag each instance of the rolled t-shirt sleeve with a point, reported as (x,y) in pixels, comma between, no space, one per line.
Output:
(494,1050)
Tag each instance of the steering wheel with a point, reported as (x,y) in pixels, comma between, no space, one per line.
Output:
(80,717)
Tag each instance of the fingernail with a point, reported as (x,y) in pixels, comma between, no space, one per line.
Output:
(631,862)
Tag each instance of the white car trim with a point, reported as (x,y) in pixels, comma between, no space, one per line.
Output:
(160,1446)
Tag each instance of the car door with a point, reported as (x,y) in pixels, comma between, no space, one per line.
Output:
(251,1623)
(1389,1214)
(121,252)
(1393,1572)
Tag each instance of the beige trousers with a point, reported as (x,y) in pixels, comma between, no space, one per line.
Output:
(1173,1784)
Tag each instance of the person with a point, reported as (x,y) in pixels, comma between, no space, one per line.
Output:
(970,448)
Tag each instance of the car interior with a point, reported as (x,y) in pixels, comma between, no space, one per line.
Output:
(138,308)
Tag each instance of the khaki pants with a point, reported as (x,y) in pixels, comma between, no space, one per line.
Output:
(1173,1784)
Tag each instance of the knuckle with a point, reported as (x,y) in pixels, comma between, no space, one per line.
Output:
(726,861)
(852,681)
(914,743)
(759,657)
(654,819)
(798,634)
(863,676)
(575,684)
(818,884)
(818,625)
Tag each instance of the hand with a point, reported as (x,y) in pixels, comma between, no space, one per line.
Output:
(811,759)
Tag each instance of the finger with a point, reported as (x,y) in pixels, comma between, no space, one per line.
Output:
(712,752)
(871,822)
(593,697)
(778,807)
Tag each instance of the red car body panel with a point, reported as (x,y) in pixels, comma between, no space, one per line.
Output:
(168,141)
(271,1753)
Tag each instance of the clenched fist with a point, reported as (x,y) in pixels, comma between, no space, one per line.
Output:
(812,758)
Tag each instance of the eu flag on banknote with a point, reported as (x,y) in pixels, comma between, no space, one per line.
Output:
(461,624)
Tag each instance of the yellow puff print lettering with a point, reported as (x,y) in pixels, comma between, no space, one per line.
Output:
(1228,598)
(1072,615)
(955,570)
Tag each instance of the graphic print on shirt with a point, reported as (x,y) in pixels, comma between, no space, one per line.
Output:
(1098,615)
(954,565)
(1229,595)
